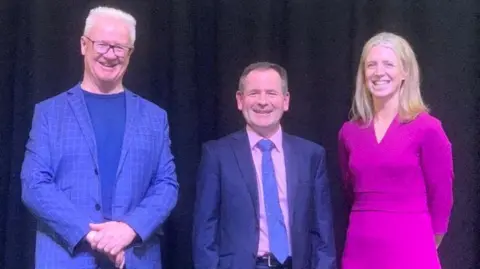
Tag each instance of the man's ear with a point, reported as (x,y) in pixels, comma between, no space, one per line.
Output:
(83,45)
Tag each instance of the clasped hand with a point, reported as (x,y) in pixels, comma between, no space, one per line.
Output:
(111,238)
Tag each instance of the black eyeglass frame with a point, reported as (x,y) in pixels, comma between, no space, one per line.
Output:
(108,46)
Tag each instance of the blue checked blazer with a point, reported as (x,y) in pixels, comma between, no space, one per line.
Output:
(60,183)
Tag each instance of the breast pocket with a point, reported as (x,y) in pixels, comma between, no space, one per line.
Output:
(143,153)
(144,143)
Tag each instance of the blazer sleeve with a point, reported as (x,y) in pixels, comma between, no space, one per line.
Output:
(206,213)
(162,194)
(40,193)
(437,166)
(324,256)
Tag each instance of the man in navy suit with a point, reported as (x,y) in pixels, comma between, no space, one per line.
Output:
(98,173)
(263,198)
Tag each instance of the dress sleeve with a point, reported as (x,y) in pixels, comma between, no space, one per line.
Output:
(343,157)
(437,167)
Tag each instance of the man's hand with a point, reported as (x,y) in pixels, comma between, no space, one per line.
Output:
(110,237)
(90,237)
(118,260)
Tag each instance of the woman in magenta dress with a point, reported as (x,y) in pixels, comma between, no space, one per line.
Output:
(396,163)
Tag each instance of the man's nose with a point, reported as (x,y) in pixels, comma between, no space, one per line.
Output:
(110,54)
(262,99)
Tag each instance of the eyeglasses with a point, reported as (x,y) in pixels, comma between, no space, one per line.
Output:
(103,47)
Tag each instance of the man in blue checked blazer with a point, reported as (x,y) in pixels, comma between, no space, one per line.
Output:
(98,173)
(263,196)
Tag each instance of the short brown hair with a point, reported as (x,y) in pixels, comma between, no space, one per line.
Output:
(264,66)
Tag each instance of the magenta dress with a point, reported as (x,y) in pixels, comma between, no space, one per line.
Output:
(401,193)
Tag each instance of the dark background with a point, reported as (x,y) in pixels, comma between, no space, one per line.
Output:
(188,57)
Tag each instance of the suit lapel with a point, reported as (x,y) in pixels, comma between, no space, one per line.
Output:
(79,107)
(243,154)
(291,171)
(132,110)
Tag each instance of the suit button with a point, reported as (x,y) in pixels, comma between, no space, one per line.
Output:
(96,171)
(97,207)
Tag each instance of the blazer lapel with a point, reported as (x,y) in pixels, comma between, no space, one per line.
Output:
(291,171)
(77,103)
(243,154)
(132,110)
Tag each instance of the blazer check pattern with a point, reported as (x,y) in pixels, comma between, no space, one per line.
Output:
(60,183)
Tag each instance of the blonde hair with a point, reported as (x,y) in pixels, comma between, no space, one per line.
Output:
(410,99)
(112,13)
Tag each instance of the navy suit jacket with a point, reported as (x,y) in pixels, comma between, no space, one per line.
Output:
(60,183)
(226,218)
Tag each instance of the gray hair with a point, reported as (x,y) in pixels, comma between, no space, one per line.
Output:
(112,13)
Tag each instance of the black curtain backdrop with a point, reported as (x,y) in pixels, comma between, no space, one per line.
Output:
(188,57)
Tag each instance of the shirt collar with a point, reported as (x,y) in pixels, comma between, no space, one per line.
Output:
(276,139)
